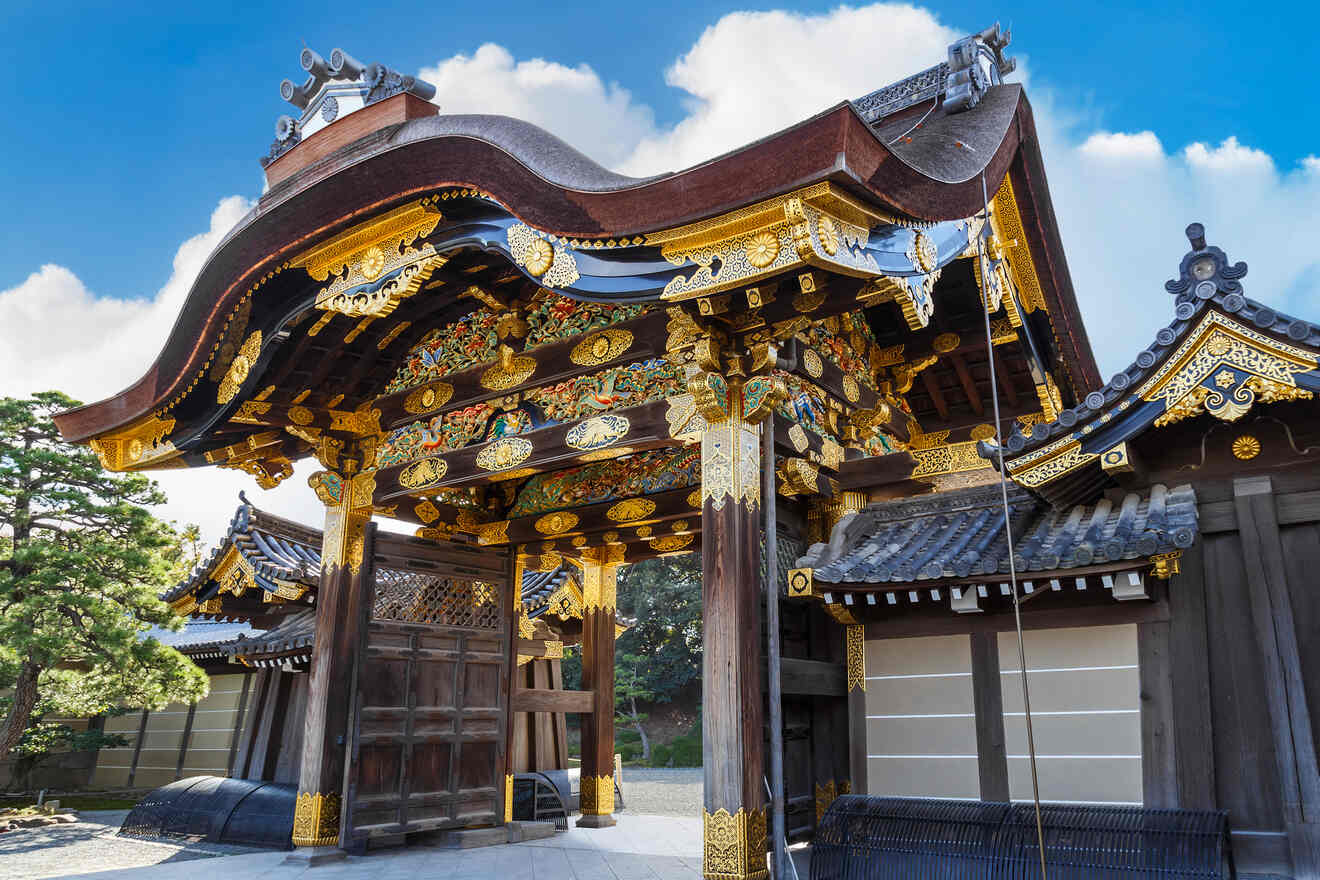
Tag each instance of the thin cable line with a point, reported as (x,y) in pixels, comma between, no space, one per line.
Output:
(1008,534)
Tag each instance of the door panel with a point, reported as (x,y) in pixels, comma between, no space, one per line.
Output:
(431,694)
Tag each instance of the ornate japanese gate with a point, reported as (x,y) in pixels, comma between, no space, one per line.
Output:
(430,693)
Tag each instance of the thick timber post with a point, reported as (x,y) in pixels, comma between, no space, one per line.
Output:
(599,591)
(854,651)
(734,818)
(340,599)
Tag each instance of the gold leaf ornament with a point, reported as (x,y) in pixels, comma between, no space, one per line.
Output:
(762,249)
(630,509)
(828,234)
(504,453)
(240,368)
(428,398)
(539,255)
(423,473)
(600,347)
(597,432)
(556,523)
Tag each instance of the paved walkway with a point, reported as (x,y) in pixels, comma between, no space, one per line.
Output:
(638,848)
(92,844)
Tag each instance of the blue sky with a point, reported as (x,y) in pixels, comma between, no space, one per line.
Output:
(133,130)
(130,120)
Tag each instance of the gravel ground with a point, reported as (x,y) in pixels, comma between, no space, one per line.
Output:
(649,791)
(91,844)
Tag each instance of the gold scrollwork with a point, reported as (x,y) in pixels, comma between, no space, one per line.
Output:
(239,368)
(553,265)
(597,432)
(427,512)
(1167,564)
(601,347)
(428,398)
(316,819)
(556,523)
(509,372)
(597,795)
(423,472)
(630,510)
(730,465)
(855,640)
(671,543)
(504,453)
(493,533)
(812,363)
(734,844)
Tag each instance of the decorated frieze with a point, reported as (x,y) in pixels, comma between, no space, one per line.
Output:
(644,473)
(469,341)
(614,388)
(555,317)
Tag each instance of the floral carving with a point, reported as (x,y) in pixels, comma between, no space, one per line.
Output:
(645,473)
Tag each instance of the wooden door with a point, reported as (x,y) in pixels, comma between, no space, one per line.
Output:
(431,692)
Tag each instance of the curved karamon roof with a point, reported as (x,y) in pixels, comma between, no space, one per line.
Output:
(931,176)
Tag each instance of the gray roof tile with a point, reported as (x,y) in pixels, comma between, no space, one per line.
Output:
(961,534)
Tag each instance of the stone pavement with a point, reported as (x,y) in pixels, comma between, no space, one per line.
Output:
(638,848)
(92,844)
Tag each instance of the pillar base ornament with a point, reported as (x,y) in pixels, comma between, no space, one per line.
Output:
(508,797)
(597,795)
(734,845)
(316,819)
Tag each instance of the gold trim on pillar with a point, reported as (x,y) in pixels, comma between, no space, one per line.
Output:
(348,509)
(734,845)
(596,795)
(508,797)
(600,578)
(855,642)
(316,819)
(825,795)
(1167,564)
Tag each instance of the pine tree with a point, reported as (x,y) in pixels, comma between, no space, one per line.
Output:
(81,563)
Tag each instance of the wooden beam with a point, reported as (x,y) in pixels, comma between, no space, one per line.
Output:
(969,386)
(536,700)
(553,364)
(812,678)
(936,396)
(647,429)
(1005,380)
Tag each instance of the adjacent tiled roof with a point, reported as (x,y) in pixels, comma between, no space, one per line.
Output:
(961,534)
(539,586)
(294,634)
(201,639)
(1193,296)
(276,548)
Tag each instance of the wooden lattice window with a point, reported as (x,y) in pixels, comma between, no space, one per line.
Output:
(420,597)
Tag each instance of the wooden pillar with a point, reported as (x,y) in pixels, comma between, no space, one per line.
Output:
(1276,634)
(599,594)
(834,510)
(339,609)
(988,698)
(734,817)
(1159,761)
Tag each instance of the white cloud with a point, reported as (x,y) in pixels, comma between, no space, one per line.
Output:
(1122,198)
(753,73)
(599,119)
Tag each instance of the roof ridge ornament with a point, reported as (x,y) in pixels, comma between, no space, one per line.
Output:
(1204,271)
(962,80)
(332,90)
